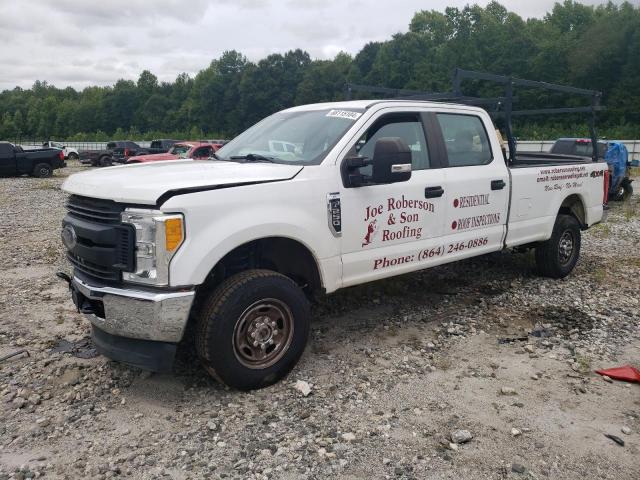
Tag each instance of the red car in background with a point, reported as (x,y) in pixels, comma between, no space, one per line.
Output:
(196,150)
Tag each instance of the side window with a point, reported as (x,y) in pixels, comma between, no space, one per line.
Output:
(6,150)
(407,127)
(465,139)
(203,152)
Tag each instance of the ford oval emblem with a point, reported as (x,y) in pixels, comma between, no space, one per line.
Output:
(69,237)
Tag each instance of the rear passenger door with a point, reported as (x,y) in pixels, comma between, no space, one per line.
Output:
(477,186)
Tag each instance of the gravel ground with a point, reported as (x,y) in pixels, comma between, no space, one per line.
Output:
(478,369)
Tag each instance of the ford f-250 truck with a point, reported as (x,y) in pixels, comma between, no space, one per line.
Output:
(372,189)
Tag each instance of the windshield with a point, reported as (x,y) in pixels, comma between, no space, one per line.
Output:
(302,138)
(179,149)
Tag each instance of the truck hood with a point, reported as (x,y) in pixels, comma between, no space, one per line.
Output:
(151,183)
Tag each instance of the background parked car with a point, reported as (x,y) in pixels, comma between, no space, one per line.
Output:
(39,162)
(580,147)
(117,151)
(160,146)
(180,150)
(69,153)
(614,153)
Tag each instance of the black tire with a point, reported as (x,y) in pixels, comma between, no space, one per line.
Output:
(105,161)
(42,170)
(73,156)
(627,189)
(557,257)
(260,302)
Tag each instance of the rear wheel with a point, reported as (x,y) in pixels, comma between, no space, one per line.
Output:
(73,156)
(105,161)
(42,170)
(253,329)
(626,190)
(557,257)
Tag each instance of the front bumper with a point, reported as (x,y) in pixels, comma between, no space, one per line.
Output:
(136,314)
(145,354)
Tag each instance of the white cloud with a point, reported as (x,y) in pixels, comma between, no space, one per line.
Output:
(80,43)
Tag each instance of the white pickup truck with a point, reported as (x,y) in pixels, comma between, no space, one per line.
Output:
(69,153)
(237,245)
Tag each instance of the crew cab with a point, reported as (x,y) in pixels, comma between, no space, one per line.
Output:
(369,190)
(180,150)
(39,162)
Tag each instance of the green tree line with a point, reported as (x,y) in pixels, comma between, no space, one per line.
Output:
(574,44)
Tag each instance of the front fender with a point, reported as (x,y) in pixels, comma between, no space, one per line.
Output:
(218,221)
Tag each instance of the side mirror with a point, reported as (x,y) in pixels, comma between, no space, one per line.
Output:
(391,161)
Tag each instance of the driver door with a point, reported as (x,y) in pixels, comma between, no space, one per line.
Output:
(386,228)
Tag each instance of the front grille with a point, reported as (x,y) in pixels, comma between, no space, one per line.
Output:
(93,270)
(105,246)
(95,209)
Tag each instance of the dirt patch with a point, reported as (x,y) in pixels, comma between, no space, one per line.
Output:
(394,366)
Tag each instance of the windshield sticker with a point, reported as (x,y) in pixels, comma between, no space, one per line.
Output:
(344,114)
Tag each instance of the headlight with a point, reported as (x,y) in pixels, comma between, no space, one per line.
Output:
(158,237)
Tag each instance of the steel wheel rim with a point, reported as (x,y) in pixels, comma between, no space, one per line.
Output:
(566,247)
(263,333)
(44,172)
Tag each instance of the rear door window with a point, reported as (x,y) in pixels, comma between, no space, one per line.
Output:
(465,139)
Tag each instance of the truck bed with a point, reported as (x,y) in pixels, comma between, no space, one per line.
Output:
(545,159)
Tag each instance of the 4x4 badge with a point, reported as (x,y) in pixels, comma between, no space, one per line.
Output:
(334,213)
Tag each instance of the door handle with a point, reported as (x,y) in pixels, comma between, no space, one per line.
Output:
(498,184)
(433,192)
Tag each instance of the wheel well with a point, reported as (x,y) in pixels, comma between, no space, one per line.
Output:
(573,205)
(283,255)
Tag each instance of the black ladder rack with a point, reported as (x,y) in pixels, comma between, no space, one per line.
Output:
(497,106)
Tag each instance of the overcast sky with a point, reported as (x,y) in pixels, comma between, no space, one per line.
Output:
(96,42)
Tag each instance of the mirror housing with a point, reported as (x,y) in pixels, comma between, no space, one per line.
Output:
(391,161)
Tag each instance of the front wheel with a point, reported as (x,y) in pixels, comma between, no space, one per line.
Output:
(73,156)
(253,329)
(557,257)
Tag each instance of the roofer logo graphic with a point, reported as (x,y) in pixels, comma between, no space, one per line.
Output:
(372,229)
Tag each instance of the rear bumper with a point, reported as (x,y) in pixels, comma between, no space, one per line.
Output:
(134,314)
